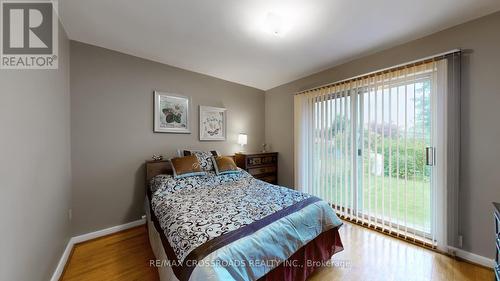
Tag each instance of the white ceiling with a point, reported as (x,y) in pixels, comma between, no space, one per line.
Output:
(225,38)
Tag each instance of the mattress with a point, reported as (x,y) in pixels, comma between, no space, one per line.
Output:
(231,227)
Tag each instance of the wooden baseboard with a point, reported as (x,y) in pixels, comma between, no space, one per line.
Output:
(62,262)
(473,258)
(467,256)
(452,251)
(86,237)
(107,231)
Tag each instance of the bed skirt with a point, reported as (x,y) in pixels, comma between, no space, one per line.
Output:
(313,255)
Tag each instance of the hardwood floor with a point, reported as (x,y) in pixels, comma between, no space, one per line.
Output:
(368,255)
(121,256)
(372,256)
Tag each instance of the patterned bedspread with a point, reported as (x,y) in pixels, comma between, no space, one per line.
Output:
(195,210)
(202,216)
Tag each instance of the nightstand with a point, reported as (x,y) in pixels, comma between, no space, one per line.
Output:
(261,165)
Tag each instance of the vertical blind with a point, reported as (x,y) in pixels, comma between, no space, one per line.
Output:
(369,146)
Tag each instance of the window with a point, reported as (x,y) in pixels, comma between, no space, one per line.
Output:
(376,149)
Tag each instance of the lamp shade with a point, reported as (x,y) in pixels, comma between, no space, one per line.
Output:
(242,139)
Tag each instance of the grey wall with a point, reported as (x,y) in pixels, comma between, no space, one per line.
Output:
(480,114)
(35,174)
(112,128)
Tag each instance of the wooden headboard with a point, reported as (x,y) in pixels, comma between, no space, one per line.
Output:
(157,167)
(160,167)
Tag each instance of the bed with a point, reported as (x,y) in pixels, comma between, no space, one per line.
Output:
(235,227)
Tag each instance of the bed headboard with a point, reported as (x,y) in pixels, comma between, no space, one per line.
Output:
(157,167)
(160,167)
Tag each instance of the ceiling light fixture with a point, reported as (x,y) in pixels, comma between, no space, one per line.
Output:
(270,20)
(275,24)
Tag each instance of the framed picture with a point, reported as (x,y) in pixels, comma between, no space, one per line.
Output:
(171,113)
(212,123)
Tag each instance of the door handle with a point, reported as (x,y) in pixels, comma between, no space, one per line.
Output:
(430,156)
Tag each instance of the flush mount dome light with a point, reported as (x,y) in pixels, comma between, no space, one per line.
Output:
(275,24)
(269,20)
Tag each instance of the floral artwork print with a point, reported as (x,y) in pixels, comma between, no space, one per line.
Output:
(171,113)
(212,123)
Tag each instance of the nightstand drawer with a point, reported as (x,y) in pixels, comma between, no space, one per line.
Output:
(261,165)
(253,161)
(262,170)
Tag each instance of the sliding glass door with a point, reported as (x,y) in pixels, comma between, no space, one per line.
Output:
(373,150)
(394,134)
(383,149)
(333,150)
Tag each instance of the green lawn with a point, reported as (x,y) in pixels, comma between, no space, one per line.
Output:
(402,200)
(408,202)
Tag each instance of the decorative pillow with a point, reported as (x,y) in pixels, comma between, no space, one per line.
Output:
(204,157)
(224,165)
(186,167)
